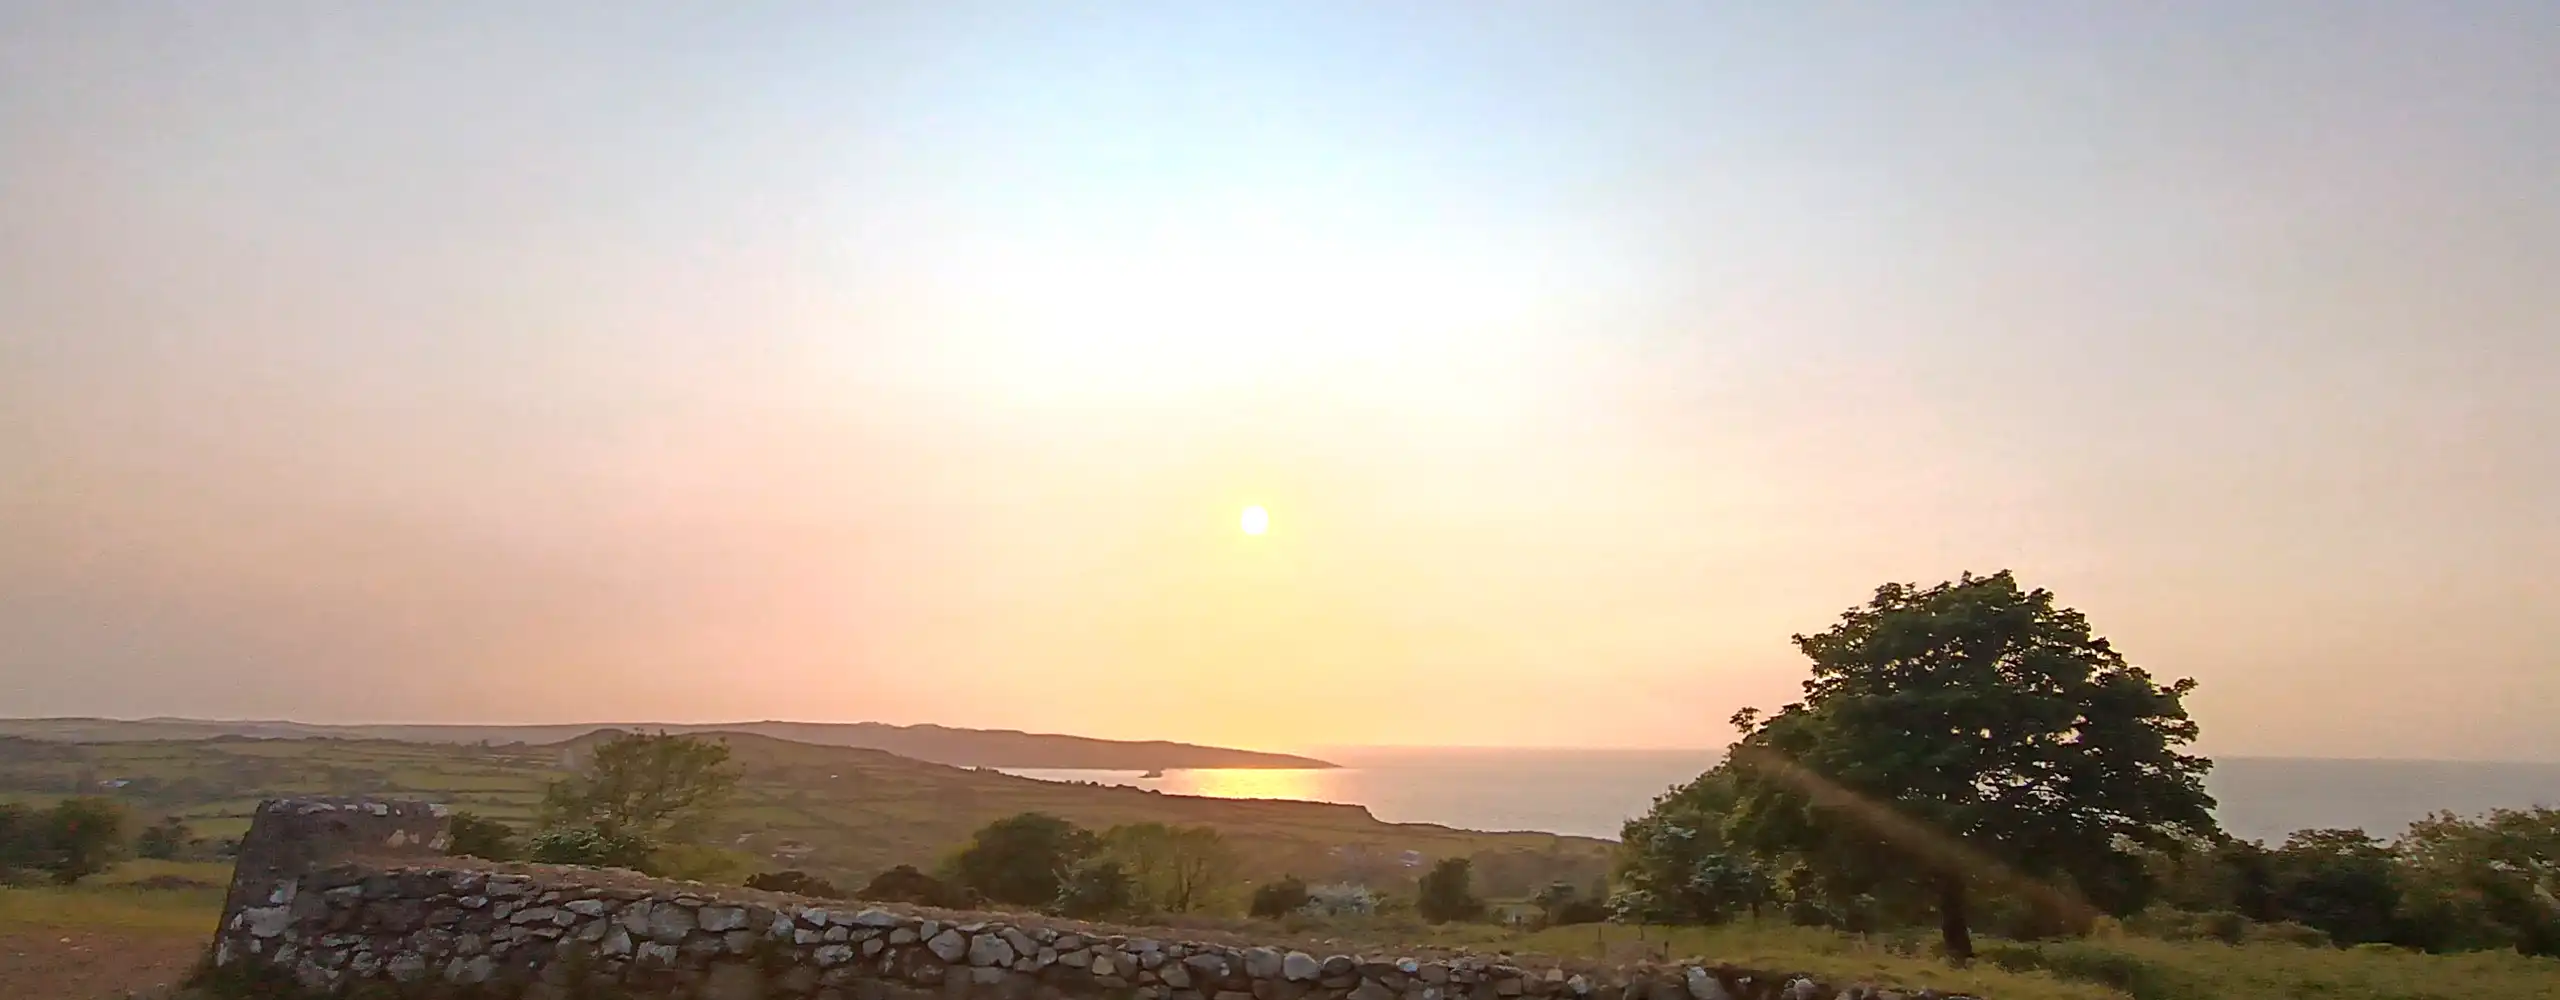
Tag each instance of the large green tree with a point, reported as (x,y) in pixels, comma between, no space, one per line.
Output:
(1967,734)
(1021,860)
(642,788)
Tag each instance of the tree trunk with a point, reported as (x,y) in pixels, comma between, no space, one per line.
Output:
(1951,923)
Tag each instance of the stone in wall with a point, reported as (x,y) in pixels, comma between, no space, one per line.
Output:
(547,932)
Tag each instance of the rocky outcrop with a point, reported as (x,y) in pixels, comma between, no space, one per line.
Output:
(355,923)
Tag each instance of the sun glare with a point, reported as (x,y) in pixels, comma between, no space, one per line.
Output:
(1256,520)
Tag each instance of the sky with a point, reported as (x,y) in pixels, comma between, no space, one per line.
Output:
(913,362)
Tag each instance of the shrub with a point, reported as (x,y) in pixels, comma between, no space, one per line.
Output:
(472,835)
(1095,887)
(1019,860)
(1444,894)
(82,838)
(904,884)
(1272,900)
(800,883)
(586,845)
(1341,899)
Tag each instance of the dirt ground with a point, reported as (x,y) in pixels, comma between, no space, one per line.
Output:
(92,965)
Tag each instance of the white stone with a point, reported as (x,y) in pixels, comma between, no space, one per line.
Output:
(1298,966)
(989,950)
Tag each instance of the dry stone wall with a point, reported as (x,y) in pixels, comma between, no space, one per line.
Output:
(353,925)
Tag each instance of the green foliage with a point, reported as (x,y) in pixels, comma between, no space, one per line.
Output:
(1096,887)
(1969,734)
(1560,904)
(657,788)
(1445,894)
(1021,860)
(1272,900)
(904,884)
(22,841)
(1675,866)
(82,837)
(800,883)
(2487,883)
(589,846)
(2340,881)
(166,840)
(1172,869)
(471,835)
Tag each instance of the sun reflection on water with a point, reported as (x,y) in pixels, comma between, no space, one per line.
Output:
(1241,783)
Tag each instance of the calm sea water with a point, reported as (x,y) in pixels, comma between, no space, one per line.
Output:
(1590,792)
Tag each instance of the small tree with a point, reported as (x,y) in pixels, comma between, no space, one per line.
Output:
(1444,894)
(2341,881)
(83,837)
(659,788)
(22,841)
(472,835)
(1021,860)
(165,840)
(1173,869)
(1095,887)
(1278,899)
(1971,732)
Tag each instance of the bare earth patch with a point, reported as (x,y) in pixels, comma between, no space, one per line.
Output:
(92,965)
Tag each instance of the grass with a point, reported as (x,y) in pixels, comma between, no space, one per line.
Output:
(2195,970)
(113,905)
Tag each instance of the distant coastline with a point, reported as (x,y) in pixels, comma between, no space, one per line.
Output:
(937,744)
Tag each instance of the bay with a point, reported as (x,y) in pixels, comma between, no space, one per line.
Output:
(1592,792)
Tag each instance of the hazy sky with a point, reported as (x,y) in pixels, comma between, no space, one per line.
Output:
(550,362)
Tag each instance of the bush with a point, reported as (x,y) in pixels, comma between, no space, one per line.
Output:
(2288,932)
(1019,860)
(1272,900)
(904,884)
(82,837)
(593,848)
(473,836)
(798,883)
(1444,894)
(166,840)
(1095,887)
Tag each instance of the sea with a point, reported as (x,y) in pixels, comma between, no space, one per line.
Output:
(1592,792)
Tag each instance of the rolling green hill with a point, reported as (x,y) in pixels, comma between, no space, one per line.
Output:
(840,811)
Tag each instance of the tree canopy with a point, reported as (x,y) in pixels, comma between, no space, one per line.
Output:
(647,788)
(1021,860)
(1172,869)
(1970,732)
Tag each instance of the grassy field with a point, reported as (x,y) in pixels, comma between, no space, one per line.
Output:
(150,907)
(137,896)
(841,812)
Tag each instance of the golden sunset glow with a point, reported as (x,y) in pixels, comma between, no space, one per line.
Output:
(1273,783)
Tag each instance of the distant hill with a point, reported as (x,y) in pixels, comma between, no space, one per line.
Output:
(938,744)
(842,812)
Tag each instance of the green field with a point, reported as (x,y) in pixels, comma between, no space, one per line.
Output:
(840,812)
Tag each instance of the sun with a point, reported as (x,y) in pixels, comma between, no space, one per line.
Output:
(1256,520)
